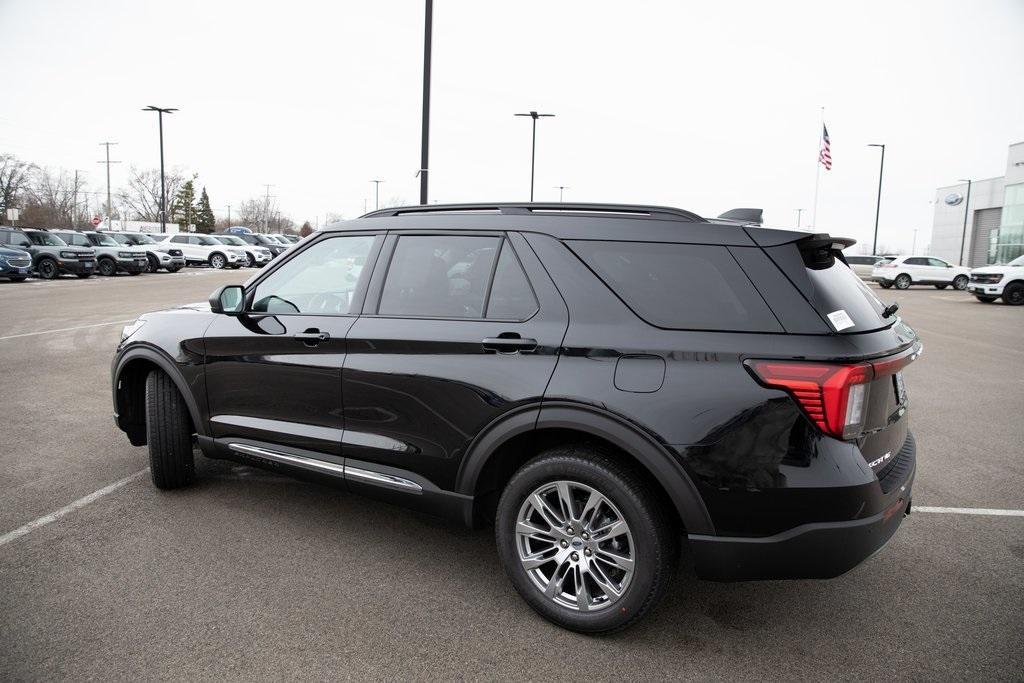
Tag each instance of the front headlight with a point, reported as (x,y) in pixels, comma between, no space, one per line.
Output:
(68,254)
(131,328)
(165,257)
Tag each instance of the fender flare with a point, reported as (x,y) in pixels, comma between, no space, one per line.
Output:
(166,364)
(661,464)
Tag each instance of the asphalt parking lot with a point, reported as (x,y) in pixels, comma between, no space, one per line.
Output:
(250,575)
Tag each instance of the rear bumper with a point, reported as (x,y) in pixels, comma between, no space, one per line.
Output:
(817,550)
(881,280)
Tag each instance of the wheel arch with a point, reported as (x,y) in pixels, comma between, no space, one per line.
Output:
(505,446)
(129,389)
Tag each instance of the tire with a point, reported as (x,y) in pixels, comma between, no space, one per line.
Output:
(1014,294)
(168,433)
(154,263)
(941,286)
(250,260)
(106,267)
(218,261)
(47,269)
(902,281)
(986,299)
(649,542)
(960,282)
(885,285)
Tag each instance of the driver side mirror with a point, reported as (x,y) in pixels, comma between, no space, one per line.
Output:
(228,300)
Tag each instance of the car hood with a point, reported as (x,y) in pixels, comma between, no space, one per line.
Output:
(14,253)
(1001,270)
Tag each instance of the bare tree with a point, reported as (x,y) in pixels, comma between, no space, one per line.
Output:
(142,196)
(52,199)
(14,176)
(306,230)
(257,213)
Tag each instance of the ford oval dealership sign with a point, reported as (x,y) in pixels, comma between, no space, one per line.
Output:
(952,199)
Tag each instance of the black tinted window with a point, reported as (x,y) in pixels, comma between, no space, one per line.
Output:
(511,295)
(180,239)
(680,286)
(442,276)
(916,262)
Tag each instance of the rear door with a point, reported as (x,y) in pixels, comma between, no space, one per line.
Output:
(459,329)
(917,268)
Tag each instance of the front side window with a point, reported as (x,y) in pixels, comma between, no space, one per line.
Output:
(916,262)
(180,239)
(439,276)
(16,239)
(319,281)
(103,240)
(46,239)
(937,263)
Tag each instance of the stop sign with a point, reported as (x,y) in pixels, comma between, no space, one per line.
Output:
(95,221)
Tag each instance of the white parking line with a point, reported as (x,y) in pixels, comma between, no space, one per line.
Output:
(67,329)
(70,507)
(969,511)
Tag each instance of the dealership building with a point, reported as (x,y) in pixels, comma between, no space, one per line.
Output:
(994,212)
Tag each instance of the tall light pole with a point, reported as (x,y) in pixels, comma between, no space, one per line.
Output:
(561,189)
(229,215)
(533,153)
(108,162)
(798,212)
(376,193)
(967,212)
(163,187)
(425,135)
(878,203)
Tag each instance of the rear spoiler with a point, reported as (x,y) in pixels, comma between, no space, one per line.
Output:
(746,216)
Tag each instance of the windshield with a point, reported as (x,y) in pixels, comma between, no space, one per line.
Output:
(231,239)
(1019,261)
(140,239)
(217,238)
(46,239)
(121,239)
(103,240)
(263,239)
(206,240)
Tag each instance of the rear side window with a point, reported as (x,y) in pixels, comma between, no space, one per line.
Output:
(511,295)
(441,276)
(679,286)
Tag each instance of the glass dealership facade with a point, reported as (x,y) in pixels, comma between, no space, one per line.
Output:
(1008,242)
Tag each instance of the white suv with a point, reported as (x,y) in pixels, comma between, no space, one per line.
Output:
(255,257)
(199,248)
(904,271)
(991,282)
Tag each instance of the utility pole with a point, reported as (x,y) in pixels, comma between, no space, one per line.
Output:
(74,205)
(108,162)
(878,205)
(798,212)
(425,135)
(266,210)
(913,246)
(533,154)
(229,216)
(376,193)
(163,188)
(561,189)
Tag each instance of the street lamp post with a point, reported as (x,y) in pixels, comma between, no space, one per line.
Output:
(878,203)
(376,193)
(163,190)
(533,153)
(561,189)
(967,212)
(425,134)
(798,212)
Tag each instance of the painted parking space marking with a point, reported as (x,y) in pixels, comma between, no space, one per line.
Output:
(67,329)
(968,511)
(69,508)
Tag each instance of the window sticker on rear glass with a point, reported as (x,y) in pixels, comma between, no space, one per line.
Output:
(840,320)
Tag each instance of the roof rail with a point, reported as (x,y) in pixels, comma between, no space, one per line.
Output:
(632,210)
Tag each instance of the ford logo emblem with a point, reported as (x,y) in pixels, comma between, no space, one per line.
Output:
(953,198)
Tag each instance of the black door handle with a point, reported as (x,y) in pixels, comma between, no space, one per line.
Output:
(312,337)
(509,344)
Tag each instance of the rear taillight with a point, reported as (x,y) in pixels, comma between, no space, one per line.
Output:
(833,396)
(891,264)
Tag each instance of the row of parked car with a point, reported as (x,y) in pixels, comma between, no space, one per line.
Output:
(987,283)
(25,252)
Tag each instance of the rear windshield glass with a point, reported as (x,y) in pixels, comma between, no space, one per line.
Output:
(843,298)
(680,286)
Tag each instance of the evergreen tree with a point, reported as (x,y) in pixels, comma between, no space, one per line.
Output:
(183,209)
(205,220)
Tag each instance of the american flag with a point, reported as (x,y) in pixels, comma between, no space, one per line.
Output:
(825,156)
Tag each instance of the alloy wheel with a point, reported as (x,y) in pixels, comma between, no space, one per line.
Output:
(217,261)
(575,545)
(902,282)
(960,282)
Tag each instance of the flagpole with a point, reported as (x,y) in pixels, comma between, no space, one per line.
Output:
(817,173)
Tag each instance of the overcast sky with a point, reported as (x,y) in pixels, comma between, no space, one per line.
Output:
(705,106)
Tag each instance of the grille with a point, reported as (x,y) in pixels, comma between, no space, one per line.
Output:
(19,262)
(897,471)
(174,252)
(986,278)
(85,257)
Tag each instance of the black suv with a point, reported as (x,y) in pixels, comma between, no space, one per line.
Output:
(600,381)
(51,256)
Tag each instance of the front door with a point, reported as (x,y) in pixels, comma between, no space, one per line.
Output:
(458,331)
(273,374)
